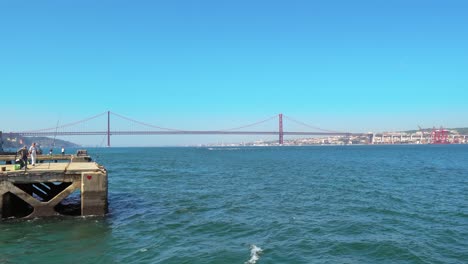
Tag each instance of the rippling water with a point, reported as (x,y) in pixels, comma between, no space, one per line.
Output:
(352,204)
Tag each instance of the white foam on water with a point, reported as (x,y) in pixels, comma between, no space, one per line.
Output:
(254,254)
(223,148)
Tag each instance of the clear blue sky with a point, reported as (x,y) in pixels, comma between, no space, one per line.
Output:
(341,65)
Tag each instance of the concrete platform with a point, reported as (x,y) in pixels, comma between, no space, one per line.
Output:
(38,191)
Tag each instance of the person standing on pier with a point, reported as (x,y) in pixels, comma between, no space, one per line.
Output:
(23,153)
(39,152)
(33,153)
(39,149)
(63,151)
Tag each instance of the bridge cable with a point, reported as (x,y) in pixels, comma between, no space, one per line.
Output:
(309,126)
(145,124)
(65,125)
(249,125)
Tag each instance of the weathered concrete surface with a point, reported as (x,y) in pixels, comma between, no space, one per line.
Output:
(45,185)
(93,193)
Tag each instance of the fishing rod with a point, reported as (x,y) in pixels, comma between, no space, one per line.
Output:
(100,146)
(53,142)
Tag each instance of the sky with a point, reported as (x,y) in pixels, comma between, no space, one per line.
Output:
(354,66)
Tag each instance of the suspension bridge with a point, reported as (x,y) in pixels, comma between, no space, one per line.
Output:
(149,129)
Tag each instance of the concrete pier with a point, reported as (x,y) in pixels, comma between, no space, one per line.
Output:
(41,190)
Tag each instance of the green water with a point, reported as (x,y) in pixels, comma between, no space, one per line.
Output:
(354,204)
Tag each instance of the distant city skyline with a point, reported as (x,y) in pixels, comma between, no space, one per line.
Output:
(341,65)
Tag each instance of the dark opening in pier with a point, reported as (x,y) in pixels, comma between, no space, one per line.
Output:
(71,205)
(13,206)
(43,191)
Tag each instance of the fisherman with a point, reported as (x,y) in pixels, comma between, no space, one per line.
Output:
(39,149)
(23,157)
(33,153)
(39,152)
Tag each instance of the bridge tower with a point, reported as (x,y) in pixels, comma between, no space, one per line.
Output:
(108,128)
(280,116)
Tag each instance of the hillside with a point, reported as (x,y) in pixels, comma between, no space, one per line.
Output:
(460,130)
(44,142)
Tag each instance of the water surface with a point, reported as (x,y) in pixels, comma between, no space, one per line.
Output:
(347,204)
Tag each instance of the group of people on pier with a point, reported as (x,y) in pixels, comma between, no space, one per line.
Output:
(33,151)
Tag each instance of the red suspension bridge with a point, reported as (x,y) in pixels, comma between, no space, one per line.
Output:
(158,130)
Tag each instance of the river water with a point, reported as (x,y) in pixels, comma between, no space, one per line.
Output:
(337,204)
